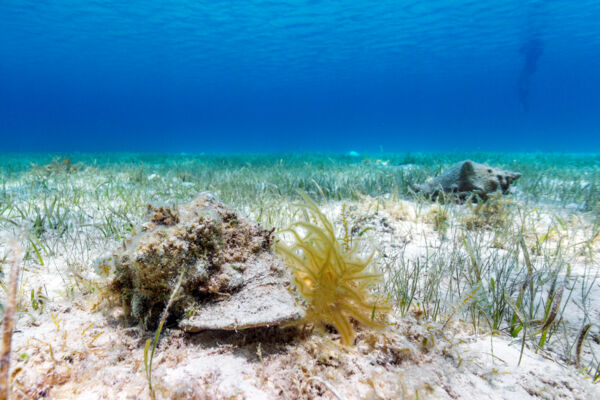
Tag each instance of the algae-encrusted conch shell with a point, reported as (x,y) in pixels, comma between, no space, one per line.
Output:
(232,280)
(264,300)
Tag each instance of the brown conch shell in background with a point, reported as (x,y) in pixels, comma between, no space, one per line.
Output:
(468,178)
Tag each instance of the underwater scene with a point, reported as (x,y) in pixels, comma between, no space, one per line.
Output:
(300,199)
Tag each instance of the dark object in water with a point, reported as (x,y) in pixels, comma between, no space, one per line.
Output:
(468,178)
(231,278)
(532,50)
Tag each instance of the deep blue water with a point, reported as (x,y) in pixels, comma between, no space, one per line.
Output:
(262,76)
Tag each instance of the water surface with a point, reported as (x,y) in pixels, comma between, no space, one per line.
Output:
(206,76)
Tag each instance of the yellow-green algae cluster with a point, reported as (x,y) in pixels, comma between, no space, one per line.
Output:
(332,275)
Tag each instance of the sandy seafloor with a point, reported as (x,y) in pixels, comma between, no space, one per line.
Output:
(70,344)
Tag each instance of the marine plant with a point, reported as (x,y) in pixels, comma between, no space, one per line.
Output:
(331,275)
(9,320)
(439,217)
(149,354)
(494,212)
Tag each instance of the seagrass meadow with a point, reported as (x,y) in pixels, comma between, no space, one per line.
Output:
(495,299)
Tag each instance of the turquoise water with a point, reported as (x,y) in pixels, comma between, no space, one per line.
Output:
(265,76)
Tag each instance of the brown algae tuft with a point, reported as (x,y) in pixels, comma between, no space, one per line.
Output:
(333,278)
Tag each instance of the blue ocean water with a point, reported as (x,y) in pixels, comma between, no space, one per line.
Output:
(310,75)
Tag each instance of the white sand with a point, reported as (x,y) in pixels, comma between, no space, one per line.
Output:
(74,349)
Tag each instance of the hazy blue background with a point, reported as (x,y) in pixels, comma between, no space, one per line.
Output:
(205,76)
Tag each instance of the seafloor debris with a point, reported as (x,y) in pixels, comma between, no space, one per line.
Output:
(57,166)
(231,278)
(468,178)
